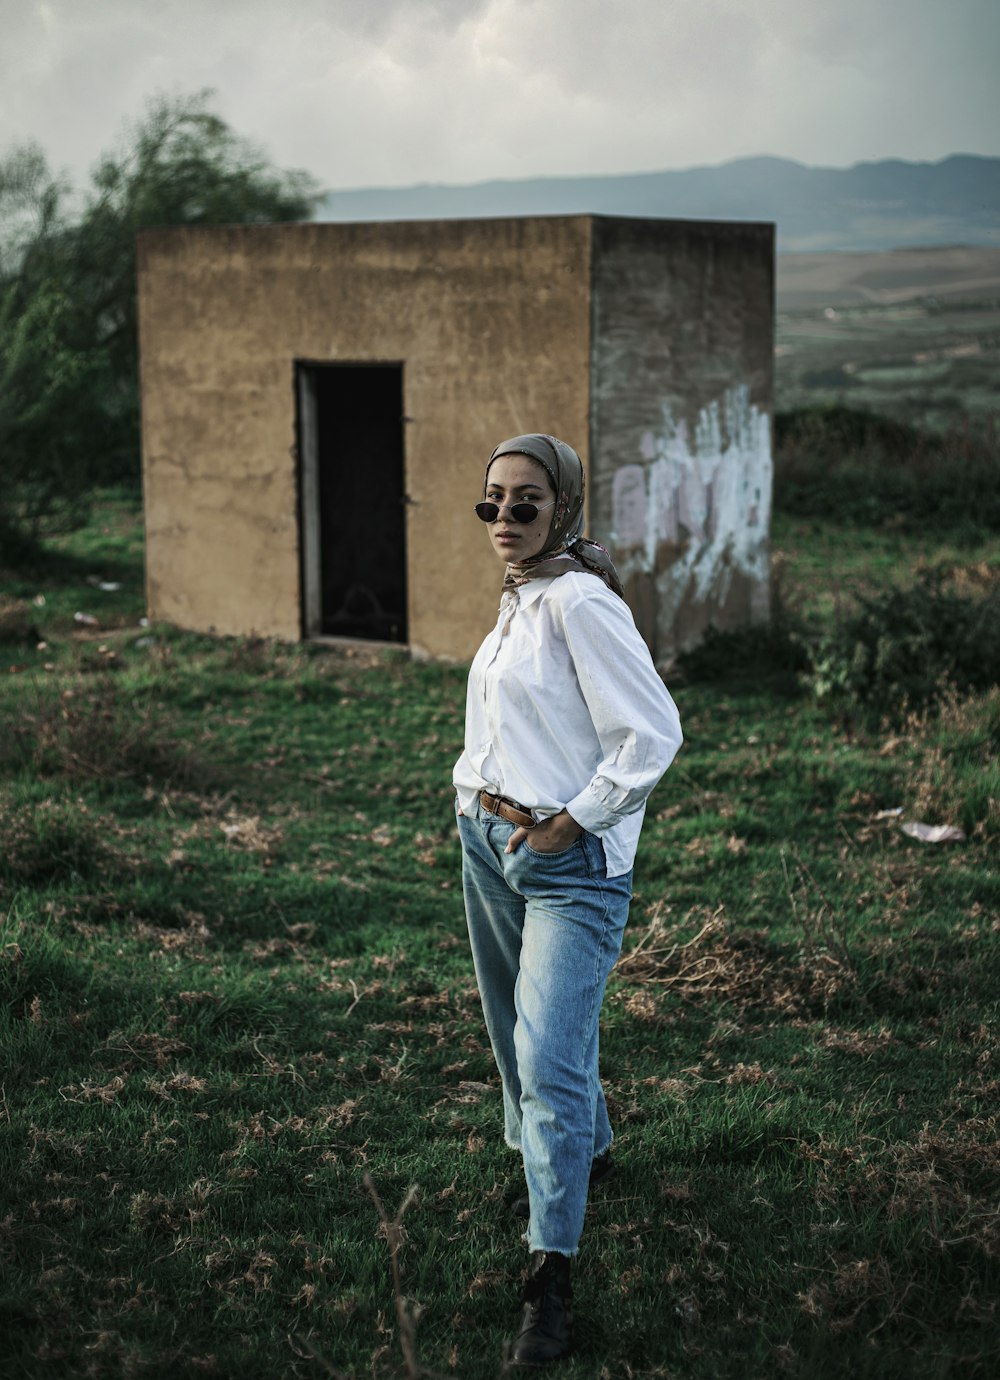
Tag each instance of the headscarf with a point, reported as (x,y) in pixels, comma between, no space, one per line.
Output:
(566,549)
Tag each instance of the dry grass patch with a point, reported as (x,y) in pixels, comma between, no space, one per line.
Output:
(742,968)
(98,729)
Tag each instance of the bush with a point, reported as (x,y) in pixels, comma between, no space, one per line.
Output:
(904,649)
(775,652)
(893,655)
(857,467)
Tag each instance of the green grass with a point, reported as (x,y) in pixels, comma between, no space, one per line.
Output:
(234,981)
(822,565)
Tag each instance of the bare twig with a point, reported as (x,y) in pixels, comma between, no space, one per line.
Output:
(788,888)
(305,1346)
(407,1314)
(274,1068)
(357,996)
(712,923)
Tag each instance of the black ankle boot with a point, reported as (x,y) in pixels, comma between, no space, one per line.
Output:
(547,1323)
(601,1170)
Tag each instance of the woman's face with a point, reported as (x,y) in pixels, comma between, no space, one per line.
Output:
(519,479)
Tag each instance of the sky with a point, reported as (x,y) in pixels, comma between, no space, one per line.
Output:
(371,93)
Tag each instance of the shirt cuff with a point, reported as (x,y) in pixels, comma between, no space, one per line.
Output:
(592,813)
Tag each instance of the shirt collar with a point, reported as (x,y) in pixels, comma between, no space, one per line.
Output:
(528,593)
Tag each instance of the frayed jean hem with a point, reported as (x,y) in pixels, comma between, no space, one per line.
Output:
(546,1250)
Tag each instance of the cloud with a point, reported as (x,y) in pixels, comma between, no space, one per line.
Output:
(376,92)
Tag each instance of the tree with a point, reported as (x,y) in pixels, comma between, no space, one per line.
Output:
(69,395)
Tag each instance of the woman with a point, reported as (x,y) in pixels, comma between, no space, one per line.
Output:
(568,729)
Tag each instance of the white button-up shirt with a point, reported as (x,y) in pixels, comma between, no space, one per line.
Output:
(565,710)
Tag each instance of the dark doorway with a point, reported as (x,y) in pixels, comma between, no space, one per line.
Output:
(353,517)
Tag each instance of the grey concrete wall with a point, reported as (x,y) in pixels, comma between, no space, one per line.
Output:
(681,416)
(492,322)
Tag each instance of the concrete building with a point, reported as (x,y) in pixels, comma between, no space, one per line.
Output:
(319,402)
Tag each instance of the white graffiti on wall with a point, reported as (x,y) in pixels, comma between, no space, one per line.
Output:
(697,510)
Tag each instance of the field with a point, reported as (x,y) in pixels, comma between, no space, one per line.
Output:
(913,334)
(238,1006)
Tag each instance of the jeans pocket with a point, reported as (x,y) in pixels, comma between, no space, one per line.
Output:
(560,853)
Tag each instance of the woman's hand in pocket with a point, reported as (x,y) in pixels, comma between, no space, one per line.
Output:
(552,835)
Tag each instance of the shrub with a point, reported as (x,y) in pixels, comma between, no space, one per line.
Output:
(857,467)
(775,651)
(892,655)
(906,648)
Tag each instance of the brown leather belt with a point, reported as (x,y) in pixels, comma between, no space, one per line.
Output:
(506,809)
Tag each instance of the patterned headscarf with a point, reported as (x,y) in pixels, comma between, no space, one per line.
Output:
(566,549)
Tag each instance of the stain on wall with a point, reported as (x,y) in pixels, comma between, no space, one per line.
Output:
(692,516)
(681,408)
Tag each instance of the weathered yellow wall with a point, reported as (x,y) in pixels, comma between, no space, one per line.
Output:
(492,322)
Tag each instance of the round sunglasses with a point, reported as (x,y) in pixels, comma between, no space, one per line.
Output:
(520,512)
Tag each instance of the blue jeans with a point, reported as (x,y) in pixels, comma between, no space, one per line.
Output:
(546,929)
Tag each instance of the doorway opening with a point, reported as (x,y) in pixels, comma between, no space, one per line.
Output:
(352,500)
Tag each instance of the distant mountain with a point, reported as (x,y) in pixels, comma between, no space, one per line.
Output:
(871,206)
